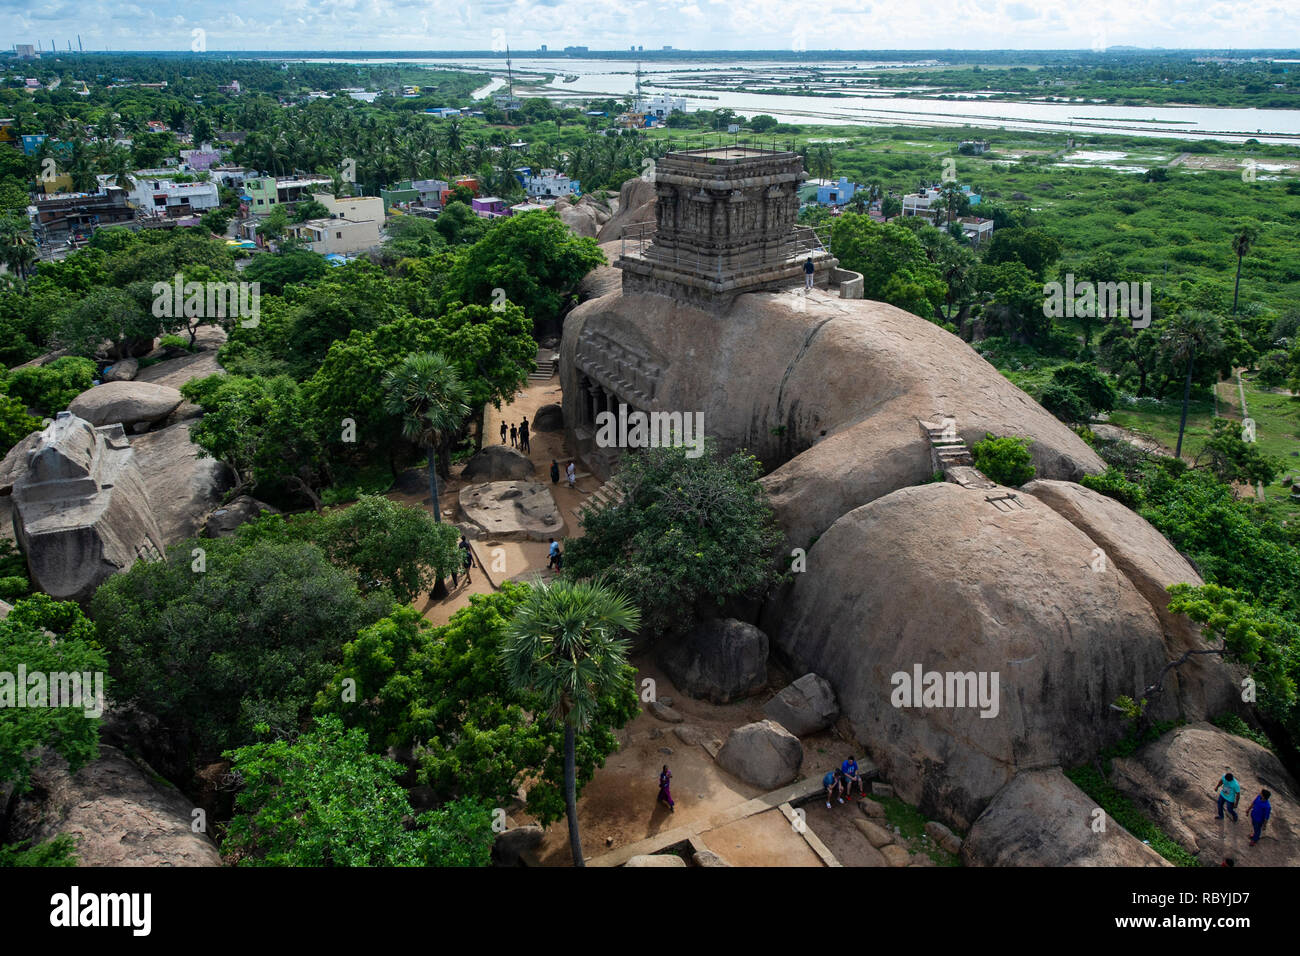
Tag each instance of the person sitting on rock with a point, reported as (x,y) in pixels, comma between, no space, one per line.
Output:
(834,784)
(851,776)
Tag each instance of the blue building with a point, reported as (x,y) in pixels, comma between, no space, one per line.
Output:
(32,142)
(836,194)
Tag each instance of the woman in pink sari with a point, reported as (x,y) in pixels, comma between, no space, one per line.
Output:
(665,795)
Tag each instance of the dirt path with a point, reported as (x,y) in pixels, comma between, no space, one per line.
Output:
(518,558)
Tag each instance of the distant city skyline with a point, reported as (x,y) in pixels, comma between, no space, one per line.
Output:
(701,25)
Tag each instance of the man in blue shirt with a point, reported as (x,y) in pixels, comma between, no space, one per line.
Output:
(1260,811)
(833,786)
(1229,794)
(556,558)
(850,771)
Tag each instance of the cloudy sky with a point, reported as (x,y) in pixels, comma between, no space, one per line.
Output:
(616,24)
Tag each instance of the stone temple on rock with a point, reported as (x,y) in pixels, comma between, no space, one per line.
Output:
(725,224)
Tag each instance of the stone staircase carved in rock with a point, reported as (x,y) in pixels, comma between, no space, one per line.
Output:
(610,493)
(949,454)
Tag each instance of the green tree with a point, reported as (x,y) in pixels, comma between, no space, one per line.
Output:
(1188,333)
(1231,459)
(26,730)
(390,546)
(224,634)
(322,800)
(442,695)
(1032,247)
(15,423)
(255,426)
(687,531)
(534,259)
(1005,460)
(894,265)
(565,646)
(1244,235)
(426,393)
(111,315)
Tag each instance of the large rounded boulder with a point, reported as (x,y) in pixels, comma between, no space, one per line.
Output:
(497,463)
(764,754)
(968,638)
(721,660)
(126,403)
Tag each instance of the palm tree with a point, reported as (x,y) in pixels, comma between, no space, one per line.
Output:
(426,391)
(17,250)
(1188,333)
(564,646)
(1243,238)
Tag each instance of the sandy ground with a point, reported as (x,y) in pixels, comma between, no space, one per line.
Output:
(515,557)
(618,806)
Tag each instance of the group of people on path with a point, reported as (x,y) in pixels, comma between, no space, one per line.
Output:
(518,435)
(570,473)
(1229,792)
(839,782)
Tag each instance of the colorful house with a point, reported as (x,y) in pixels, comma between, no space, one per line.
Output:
(489,207)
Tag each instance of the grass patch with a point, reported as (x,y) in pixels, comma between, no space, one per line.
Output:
(1235,725)
(1122,810)
(910,823)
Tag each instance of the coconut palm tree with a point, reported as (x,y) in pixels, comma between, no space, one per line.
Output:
(1189,333)
(17,250)
(1243,237)
(564,645)
(426,391)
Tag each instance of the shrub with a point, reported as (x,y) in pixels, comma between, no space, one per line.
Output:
(1005,460)
(1113,483)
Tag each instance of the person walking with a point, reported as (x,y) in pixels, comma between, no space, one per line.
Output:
(503,433)
(514,437)
(665,794)
(467,558)
(1260,811)
(571,474)
(808,271)
(1229,794)
(555,472)
(555,560)
(523,435)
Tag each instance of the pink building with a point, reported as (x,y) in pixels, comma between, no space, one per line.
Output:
(489,207)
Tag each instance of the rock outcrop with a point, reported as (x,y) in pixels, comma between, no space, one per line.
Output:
(1173,781)
(548,418)
(497,463)
(81,511)
(123,370)
(227,519)
(585,217)
(183,486)
(764,754)
(116,814)
(126,403)
(804,707)
(636,202)
(15,462)
(512,510)
(951,584)
(1042,819)
(721,660)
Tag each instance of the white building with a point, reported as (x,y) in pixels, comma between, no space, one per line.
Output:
(550,182)
(337,236)
(660,105)
(170,199)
